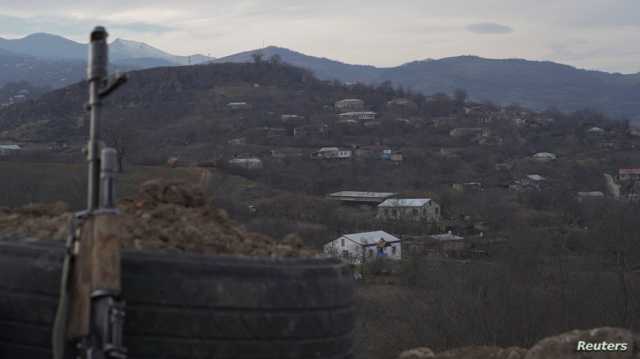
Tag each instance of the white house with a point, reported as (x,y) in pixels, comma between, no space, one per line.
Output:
(596,131)
(247,163)
(358,115)
(593,195)
(291,118)
(350,104)
(544,157)
(629,174)
(374,244)
(238,106)
(416,209)
(331,152)
(7,149)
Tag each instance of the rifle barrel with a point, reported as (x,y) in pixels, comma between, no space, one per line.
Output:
(96,74)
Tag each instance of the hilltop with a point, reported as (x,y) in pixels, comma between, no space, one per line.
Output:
(536,84)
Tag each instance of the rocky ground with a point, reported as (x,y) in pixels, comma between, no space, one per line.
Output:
(165,215)
(563,346)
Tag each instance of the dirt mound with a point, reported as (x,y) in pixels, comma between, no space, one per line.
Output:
(41,221)
(165,215)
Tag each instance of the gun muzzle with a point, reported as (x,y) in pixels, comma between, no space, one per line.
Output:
(98,54)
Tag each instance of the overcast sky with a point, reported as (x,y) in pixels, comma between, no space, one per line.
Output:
(592,34)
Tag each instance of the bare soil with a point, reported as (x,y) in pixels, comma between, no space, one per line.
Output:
(165,215)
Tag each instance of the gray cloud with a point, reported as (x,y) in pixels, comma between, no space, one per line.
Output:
(71,27)
(489,28)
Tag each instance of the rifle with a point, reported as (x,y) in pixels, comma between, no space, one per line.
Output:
(91,313)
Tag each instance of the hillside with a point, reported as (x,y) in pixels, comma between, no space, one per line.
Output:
(39,72)
(533,242)
(182,112)
(535,84)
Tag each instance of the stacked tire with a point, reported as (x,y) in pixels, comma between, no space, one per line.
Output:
(183,306)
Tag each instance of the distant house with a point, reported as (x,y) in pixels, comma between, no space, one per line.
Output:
(238,141)
(401,102)
(286,117)
(518,121)
(629,174)
(355,247)
(311,130)
(8,149)
(360,197)
(593,195)
(289,118)
(331,153)
(540,122)
(358,115)
(544,157)
(238,106)
(19,98)
(367,151)
(442,245)
(275,132)
(474,110)
(404,121)
(413,209)
(466,131)
(596,131)
(251,163)
(447,242)
(286,153)
(529,182)
(634,129)
(173,161)
(350,104)
(390,155)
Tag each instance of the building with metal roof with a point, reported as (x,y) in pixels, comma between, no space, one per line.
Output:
(361,197)
(355,247)
(413,209)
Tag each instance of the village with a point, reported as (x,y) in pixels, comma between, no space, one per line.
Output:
(420,226)
(349,134)
(453,214)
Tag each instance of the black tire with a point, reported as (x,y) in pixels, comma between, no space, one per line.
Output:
(190,306)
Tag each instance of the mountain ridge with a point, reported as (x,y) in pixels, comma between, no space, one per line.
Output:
(531,83)
(55,47)
(536,84)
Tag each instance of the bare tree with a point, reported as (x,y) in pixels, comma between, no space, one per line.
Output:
(119,135)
